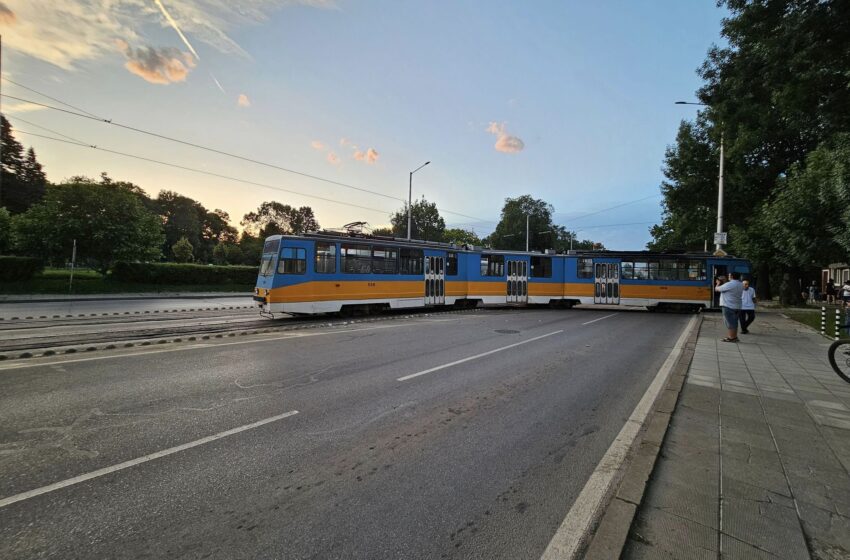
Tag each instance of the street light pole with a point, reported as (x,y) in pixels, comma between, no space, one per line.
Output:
(410,199)
(526,232)
(718,247)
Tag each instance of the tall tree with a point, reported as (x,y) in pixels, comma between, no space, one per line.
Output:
(23,178)
(108,223)
(776,92)
(5,231)
(461,236)
(510,233)
(426,222)
(274,218)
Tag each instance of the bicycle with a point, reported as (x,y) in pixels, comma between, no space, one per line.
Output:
(839,356)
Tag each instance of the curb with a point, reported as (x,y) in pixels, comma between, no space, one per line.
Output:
(614,525)
(23,357)
(119,297)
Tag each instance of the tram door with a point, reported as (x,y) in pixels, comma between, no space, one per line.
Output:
(606,284)
(435,280)
(517,282)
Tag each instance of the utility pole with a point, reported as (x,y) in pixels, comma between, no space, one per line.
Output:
(526,232)
(410,199)
(718,249)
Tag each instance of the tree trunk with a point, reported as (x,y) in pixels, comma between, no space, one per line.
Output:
(762,276)
(789,289)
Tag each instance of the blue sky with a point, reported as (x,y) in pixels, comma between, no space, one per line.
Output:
(571,102)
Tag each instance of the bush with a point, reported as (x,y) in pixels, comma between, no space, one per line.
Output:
(172,273)
(16,269)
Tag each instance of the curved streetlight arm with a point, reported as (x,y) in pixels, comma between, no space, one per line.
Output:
(410,199)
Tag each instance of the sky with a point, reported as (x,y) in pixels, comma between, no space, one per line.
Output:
(569,101)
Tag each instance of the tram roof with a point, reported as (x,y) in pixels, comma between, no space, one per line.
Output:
(418,243)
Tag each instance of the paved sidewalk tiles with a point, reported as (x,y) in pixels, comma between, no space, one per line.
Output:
(756,460)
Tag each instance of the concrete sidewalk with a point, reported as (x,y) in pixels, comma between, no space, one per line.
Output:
(756,458)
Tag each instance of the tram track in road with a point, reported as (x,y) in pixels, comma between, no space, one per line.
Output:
(105,333)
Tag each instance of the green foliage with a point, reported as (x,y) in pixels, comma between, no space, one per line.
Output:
(778,91)
(5,230)
(274,218)
(689,189)
(182,251)
(228,253)
(23,178)
(460,236)
(252,248)
(171,273)
(426,222)
(384,232)
(109,223)
(16,269)
(183,217)
(511,230)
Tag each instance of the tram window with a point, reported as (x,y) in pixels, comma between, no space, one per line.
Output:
(541,267)
(356,259)
(384,260)
(271,246)
(585,268)
(696,270)
(325,258)
(293,260)
(451,264)
(667,270)
(267,265)
(628,270)
(492,265)
(652,270)
(411,261)
(641,271)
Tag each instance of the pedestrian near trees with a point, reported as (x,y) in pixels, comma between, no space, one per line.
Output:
(830,291)
(748,307)
(730,303)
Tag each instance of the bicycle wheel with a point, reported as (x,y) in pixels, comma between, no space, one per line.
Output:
(839,358)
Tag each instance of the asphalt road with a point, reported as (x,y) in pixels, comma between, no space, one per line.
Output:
(480,459)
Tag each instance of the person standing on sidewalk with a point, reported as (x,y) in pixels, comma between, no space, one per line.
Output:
(730,303)
(748,307)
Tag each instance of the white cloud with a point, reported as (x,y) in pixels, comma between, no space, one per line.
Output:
(68,32)
(317,145)
(370,156)
(243,100)
(158,66)
(504,141)
(7,16)
(333,159)
(22,108)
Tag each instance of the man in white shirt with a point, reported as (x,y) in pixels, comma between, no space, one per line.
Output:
(748,307)
(730,303)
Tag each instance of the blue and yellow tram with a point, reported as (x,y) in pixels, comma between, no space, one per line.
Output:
(333,273)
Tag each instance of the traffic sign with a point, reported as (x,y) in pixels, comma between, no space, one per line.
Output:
(720,238)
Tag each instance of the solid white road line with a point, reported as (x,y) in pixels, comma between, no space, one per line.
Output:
(590,503)
(475,357)
(132,463)
(599,319)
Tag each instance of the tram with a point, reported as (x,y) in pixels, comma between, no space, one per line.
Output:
(329,272)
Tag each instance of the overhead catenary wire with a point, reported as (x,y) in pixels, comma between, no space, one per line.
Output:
(88,115)
(76,113)
(201,171)
(23,120)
